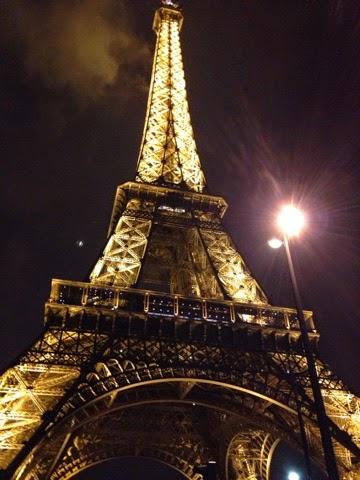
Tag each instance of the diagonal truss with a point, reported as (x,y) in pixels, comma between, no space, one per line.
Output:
(27,392)
(121,260)
(231,269)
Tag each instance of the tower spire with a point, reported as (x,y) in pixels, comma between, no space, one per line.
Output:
(168,154)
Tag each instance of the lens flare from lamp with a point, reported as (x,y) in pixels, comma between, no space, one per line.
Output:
(275,243)
(291,220)
(293,476)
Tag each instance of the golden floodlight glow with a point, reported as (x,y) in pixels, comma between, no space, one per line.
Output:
(275,243)
(291,220)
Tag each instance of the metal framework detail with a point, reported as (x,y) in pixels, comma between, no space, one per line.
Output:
(231,268)
(121,261)
(134,361)
(27,392)
(168,434)
(250,455)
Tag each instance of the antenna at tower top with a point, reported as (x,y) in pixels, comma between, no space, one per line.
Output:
(170,3)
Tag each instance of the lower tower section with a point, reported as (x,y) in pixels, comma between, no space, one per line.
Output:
(183,380)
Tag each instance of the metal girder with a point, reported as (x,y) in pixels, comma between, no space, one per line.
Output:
(168,433)
(231,269)
(343,408)
(121,260)
(183,431)
(250,455)
(27,392)
(176,261)
(133,361)
(136,361)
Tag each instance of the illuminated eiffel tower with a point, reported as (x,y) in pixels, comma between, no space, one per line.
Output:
(171,350)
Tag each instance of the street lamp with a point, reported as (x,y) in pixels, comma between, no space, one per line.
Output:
(293,476)
(291,221)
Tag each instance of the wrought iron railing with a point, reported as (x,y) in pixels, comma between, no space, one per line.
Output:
(171,305)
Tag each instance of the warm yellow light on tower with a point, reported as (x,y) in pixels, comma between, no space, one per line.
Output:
(291,220)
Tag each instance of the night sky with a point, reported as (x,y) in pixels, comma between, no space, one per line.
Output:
(274,92)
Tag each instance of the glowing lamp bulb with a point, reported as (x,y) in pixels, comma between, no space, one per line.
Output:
(291,220)
(275,243)
(293,476)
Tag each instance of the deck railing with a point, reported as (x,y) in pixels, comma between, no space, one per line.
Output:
(172,305)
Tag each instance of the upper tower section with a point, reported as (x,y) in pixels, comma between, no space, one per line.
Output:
(168,153)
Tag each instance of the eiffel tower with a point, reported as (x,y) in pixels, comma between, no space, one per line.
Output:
(170,350)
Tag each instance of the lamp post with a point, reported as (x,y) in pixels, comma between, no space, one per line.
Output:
(291,221)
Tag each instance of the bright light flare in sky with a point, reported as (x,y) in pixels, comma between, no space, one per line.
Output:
(291,220)
(293,476)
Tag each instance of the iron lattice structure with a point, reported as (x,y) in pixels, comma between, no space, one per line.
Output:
(171,350)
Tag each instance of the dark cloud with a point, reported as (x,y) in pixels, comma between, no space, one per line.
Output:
(86,47)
